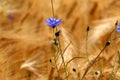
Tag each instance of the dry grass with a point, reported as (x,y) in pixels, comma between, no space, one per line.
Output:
(26,41)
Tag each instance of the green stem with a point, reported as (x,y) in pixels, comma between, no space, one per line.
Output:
(113,70)
(56,64)
(62,58)
(55,54)
(63,50)
(55,57)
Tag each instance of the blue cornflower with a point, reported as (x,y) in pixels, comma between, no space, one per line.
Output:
(53,22)
(118,29)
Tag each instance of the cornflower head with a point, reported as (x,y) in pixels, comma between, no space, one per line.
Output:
(53,22)
(118,29)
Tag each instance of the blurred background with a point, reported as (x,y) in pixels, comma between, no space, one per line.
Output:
(26,41)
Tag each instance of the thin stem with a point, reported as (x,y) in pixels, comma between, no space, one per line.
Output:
(113,73)
(91,64)
(53,33)
(56,64)
(55,57)
(72,60)
(52,8)
(64,50)
(110,34)
(62,58)
(87,48)
(55,54)
(28,75)
(116,70)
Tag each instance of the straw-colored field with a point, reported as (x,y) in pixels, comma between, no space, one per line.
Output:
(26,41)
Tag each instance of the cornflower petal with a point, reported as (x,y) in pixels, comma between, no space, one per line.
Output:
(53,22)
(58,22)
(118,29)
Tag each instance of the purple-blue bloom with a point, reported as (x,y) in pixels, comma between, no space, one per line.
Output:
(53,22)
(118,29)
